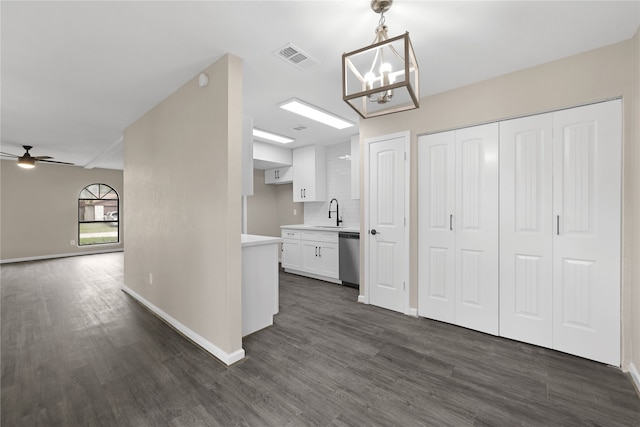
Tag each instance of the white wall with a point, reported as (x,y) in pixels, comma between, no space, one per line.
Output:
(338,186)
(184,210)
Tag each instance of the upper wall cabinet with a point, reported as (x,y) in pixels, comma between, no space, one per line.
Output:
(309,174)
(283,175)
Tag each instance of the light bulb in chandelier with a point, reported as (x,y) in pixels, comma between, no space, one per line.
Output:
(369,78)
(385,69)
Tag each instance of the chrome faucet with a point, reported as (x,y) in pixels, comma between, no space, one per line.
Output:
(337,211)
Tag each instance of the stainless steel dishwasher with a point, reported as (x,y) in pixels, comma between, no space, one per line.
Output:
(349,250)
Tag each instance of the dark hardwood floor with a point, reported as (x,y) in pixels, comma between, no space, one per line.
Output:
(76,351)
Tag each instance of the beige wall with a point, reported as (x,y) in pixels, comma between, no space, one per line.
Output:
(588,77)
(183,182)
(39,209)
(271,206)
(632,227)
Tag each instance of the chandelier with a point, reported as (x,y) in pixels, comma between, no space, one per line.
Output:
(381,78)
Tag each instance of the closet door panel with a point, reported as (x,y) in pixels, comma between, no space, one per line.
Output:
(526,227)
(436,185)
(587,200)
(476,228)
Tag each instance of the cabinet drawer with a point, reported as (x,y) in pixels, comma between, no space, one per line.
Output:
(320,236)
(291,234)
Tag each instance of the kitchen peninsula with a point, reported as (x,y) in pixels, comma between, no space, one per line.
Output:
(260,281)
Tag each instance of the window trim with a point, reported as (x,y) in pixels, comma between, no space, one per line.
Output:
(94,221)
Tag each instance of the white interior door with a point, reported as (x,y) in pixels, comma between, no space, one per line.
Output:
(476,228)
(436,238)
(587,199)
(387,253)
(526,228)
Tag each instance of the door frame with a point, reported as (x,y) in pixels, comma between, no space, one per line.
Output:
(407,200)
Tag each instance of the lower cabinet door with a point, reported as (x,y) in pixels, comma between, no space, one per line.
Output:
(310,257)
(291,254)
(328,259)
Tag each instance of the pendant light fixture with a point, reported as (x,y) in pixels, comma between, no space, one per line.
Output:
(381,78)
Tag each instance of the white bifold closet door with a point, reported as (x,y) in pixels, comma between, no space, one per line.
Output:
(458,227)
(526,229)
(586,247)
(560,205)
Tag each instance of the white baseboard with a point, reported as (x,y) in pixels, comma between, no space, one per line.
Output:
(412,312)
(54,256)
(635,376)
(227,358)
(361,299)
(313,276)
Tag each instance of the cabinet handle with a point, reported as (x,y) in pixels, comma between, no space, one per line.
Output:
(320,251)
(305,193)
(301,193)
(558,225)
(451,222)
(316,251)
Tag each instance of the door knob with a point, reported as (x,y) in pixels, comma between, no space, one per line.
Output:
(373,232)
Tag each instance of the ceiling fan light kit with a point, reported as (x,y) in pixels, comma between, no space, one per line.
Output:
(381,78)
(27,161)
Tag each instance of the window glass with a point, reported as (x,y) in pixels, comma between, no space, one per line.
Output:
(98,215)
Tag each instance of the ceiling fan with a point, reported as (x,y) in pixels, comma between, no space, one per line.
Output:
(28,161)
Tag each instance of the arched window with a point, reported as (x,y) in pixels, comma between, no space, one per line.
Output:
(98,214)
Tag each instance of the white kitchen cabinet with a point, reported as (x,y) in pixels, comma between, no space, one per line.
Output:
(320,258)
(309,174)
(458,227)
(311,253)
(560,230)
(283,175)
(260,279)
(291,250)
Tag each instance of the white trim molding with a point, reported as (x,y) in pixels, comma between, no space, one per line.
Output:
(362,299)
(226,358)
(54,256)
(635,376)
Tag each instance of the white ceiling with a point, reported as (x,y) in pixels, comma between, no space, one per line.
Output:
(74,75)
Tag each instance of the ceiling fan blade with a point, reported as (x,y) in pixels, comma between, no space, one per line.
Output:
(53,161)
(8,154)
(42,157)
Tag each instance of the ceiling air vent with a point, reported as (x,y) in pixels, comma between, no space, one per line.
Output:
(299,128)
(295,56)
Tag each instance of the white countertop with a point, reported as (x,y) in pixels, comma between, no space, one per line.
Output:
(321,227)
(254,240)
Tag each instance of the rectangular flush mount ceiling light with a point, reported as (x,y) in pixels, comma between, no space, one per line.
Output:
(314,113)
(271,136)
